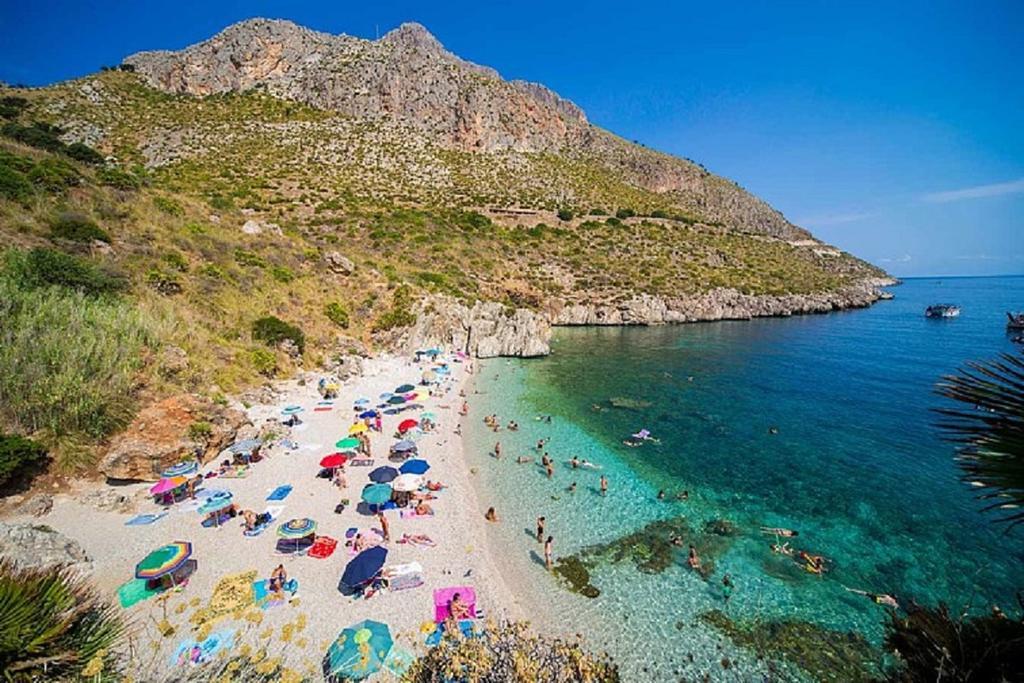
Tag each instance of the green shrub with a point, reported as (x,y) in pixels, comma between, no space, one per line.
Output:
(598,211)
(248,258)
(337,314)
(625,213)
(200,431)
(659,213)
(400,314)
(53,175)
(68,361)
(169,206)
(77,228)
(176,260)
(54,626)
(264,361)
(565,215)
(38,134)
(116,178)
(282,274)
(18,454)
(83,152)
(272,331)
(613,221)
(43,267)
(163,282)
(14,185)
(11,106)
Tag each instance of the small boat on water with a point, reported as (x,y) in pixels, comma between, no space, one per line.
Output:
(1015,321)
(942,311)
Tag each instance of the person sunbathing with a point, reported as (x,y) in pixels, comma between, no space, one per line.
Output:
(423,509)
(434,485)
(417,539)
(359,544)
(278,578)
(491,515)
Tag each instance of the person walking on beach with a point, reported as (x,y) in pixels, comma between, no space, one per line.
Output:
(384,526)
(604,485)
(547,552)
(540,529)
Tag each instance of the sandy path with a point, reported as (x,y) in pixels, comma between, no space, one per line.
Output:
(462,555)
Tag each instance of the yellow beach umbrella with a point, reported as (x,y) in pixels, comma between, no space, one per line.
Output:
(357,428)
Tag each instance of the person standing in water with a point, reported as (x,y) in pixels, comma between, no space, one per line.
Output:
(727,588)
(547,552)
(540,529)
(604,485)
(497,450)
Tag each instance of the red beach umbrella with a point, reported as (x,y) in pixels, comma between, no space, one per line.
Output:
(406,425)
(333,460)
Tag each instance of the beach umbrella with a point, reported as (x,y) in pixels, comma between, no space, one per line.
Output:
(429,416)
(367,414)
(364,566)
(297,528)
(396,400)
(206,494)
(414,467)
(180,469)
(383,475)
(357,428)
(433,352)
(333,460)
(377,494)
(386,395)
(163,561)
(359,651)
(406,482)
(362,401)
(404,389)
(403,446)
(215,504)
(246,446)
(347,444)
(291,410)
(406,425)
(428,376)
(167,484)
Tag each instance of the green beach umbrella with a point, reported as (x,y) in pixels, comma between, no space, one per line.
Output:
(347,444)
(359,651)
(164,560)
(377,494)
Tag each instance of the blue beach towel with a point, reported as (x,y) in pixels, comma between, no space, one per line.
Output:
(280,493)
(261,596)
(140,520)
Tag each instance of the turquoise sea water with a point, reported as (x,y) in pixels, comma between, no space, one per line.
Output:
(856,467)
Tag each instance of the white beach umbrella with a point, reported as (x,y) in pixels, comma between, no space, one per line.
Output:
(406,482)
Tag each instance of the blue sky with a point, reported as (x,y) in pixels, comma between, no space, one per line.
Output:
(894,130)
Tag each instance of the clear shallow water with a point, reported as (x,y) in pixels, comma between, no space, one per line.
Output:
(856,467)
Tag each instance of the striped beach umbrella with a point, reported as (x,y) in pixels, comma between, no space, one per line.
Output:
(297,528)
(181,469)
(163,561)
(349,443)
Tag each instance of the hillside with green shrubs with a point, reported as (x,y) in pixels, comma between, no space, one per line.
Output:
(158,243)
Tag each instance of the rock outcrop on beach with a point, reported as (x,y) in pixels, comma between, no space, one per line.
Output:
(35,546)
(169,431)
(484,330)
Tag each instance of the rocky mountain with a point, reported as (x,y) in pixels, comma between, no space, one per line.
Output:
(408,78)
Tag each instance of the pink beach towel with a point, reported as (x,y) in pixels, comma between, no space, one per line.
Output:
(443,596)
(411,514)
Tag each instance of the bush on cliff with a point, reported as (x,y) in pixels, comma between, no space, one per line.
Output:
(272,331)
(17,455)
(47,267)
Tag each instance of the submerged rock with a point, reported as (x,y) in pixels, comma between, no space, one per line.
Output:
(825,654)
(577,576)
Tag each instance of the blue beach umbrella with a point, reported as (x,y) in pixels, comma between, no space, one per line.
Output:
(291,410)
(396,400)
(209,494)
(245,446)
(361,401)
(364,567)
(414,467)
(386,395)
(383,475)
(367,414)
(376,494)
(359,651)
(180,469)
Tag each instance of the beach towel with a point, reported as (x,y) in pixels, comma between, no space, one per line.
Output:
(222,519)
(323,409)
(262,597)
(398,662)
(411,514)
(188,506)
(280,493)
(311,447)
(370,537)
(361,462)
(323,548)
(140,520)
(290,547)
(240,472)
(134,592)
(191,653)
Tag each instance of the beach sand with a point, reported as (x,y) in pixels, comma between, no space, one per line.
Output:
(462,555)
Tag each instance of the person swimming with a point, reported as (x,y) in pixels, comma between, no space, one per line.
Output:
(780,531)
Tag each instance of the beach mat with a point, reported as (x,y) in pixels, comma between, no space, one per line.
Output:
(261,596)
(280,493)
(219,522)
(323,409)
(323,548)
(134,592)
(411,514)
(142,520)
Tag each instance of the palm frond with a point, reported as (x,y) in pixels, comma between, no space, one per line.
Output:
(989,436)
